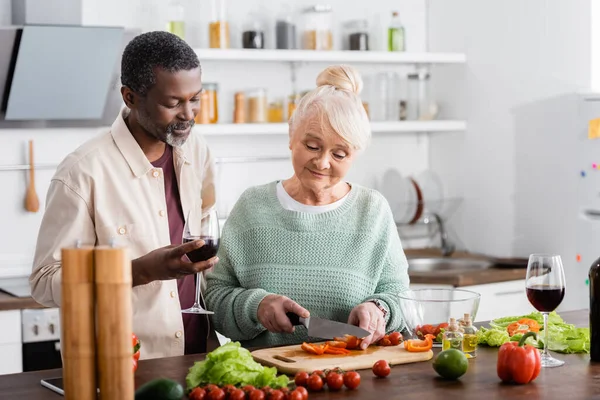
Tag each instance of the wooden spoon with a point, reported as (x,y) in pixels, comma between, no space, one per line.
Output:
(32,203)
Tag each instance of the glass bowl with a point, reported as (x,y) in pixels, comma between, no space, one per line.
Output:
(429,310)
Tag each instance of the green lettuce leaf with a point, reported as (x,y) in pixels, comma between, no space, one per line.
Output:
(562,337)
(232,364)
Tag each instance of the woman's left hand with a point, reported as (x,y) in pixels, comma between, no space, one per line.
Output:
(369,317)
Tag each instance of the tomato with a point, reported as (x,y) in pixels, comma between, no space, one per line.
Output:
(285,390)
(237,394)
(197,394)
(301,378)
(302,390)
(228,389)
(210,387)
(257,394)
(248,388)
(337,344)
(335,381)
(351,379)
(315,382)
(295,395)
(276,395)
(320,373)
(439,328)
(266,390)
(381,368)
(385,341)
(135,364)
(216,394)
(395,338)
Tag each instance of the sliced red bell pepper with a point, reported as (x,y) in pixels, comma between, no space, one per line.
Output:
(416,345)
(313,348)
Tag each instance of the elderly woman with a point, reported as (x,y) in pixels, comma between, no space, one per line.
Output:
(314,243)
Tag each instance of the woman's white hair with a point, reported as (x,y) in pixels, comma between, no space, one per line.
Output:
(337,103)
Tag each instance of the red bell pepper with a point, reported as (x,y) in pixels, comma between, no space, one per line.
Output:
(518,363)
(136,350)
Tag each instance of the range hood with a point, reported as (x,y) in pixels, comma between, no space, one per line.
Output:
(63,75)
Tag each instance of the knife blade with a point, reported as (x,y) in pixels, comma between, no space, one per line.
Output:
(325,328)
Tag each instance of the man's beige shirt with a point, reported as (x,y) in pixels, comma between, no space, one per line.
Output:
(105,191)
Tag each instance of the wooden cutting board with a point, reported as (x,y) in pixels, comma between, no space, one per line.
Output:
(291,359)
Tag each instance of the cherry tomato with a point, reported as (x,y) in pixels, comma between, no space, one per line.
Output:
(395,338)
(302,390)
(197,394)
(210,387)
(237,394)
(320,373)
(228,389)
(301,378)
(257,394)
(295,395)
(381,368)
(351,379)
(315,383)
(335,381)
(285,390)
(385,341)
(267,390)
(216,394)
(276,395)
(248,388)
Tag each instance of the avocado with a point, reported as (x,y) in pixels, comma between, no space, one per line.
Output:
(160,389)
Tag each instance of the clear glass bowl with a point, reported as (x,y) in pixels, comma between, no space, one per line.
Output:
(429,310)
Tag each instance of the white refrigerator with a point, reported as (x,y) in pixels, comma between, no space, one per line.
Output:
(557,193)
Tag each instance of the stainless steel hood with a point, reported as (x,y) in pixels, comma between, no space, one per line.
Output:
(58,75)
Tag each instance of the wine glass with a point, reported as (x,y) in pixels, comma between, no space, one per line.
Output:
(204,225)
(545,286)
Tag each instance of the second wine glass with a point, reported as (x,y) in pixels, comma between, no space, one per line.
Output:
(545,286)
(201,225)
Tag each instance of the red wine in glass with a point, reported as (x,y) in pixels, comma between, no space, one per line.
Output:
(209,250)
(204,225)
(545,288)
(545,298)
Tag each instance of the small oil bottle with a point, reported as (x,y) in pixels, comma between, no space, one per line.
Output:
(453,337)
(469,336)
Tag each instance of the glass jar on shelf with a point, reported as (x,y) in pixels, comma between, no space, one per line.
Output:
(293,100)
(318,28)
(212,90)
(218,28)
(176,18)
(275,111)
(257,105)
(253,36)
(285,31)
(357,36)
(239,108)
(420,105)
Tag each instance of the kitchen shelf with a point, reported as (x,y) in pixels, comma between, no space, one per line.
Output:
(336,56)
(376,127)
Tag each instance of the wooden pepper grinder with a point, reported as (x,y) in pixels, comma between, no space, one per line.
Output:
(114,325)
(78,324)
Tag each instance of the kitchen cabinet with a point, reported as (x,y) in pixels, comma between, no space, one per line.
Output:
(498,299)
(10,342)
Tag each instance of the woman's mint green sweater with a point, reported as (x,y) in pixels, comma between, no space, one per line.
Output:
(328,263)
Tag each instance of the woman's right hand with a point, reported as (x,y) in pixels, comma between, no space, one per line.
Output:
(271,313)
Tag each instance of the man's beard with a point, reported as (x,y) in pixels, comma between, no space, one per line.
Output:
(167,136)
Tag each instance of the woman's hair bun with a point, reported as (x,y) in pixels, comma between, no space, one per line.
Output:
(342,77)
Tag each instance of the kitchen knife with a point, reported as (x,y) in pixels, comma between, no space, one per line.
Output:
(327,329)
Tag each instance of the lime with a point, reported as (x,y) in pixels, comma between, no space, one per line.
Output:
(451,364)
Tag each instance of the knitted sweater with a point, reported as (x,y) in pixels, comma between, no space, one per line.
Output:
(328,263)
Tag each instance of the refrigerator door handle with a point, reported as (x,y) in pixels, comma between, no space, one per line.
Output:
(592,214)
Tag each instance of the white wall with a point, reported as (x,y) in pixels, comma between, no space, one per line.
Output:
(408,153)
(517,51)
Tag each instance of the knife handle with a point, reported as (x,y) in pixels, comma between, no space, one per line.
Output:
(294,318)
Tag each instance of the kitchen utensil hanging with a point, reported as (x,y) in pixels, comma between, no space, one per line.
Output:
(32,203)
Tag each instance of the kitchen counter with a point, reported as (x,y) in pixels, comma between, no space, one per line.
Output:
(8,302)
(466,277)
(577,379)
